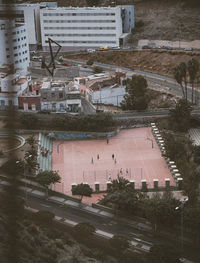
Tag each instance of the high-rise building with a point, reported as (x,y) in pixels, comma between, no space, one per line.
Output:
(28,14)
(80,28)
(14,48)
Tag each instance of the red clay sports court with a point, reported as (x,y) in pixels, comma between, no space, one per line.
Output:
(134,158)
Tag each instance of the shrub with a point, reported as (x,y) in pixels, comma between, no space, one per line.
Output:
(90,62)
(84,230)
(97,70)
(119,242)
(44,217)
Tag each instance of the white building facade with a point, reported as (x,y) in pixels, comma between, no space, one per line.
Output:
(14,48)
(77,28)
(11,86)
(29,14)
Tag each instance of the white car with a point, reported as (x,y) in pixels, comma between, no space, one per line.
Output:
(90,50)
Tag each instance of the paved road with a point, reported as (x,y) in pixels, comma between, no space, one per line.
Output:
(110,225)
(149,114)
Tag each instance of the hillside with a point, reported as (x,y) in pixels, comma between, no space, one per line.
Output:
(167,20)
(161,62)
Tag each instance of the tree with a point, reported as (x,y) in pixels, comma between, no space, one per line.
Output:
(136,97)
(183,71)
(164,253)
(82,190)
(92,2)
(84,230)
(181,115)
(97,70)
(119,243)
(160,210)
(193,68)
(45,178)
(90,62)
(122,196)
(179,78)
(28,119)
(44,217)
(31,141)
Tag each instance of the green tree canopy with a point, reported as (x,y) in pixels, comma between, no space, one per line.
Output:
(164,253)
(82,190)
(92,2)
(136,97)
(45,178)
(84,229)
(193,68)
(180,116)
(119,243)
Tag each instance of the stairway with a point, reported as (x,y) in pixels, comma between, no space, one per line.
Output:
(45,144)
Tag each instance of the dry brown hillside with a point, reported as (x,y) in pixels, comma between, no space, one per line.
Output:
(161,62)
(167,20)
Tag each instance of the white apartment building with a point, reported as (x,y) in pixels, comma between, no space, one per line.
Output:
(14,47)
(29,14)
(79,28)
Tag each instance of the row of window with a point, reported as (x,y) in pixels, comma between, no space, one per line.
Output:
(78,28)
(78,14)
(16,47)
(17,39)
(14,33)
(80,35)
(81,42)
(20,61)
(16,55)
(79,21)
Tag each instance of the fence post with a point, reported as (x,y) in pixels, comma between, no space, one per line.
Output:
(96,186)
(167,182)
(180,183)
(155,184)
(73,185)
(108,185)
(144,185)
(132,183)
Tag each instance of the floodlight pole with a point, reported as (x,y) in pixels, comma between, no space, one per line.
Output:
(181,207)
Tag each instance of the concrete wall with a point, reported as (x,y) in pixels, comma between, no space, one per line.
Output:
(112,96)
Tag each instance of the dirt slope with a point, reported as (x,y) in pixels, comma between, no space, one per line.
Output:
(161,62)
(167,20)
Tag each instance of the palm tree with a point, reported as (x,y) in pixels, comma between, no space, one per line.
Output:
(183,71)
(179,79)
(193,68)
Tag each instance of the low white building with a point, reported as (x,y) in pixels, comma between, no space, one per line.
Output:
(11,86)
(60,97)
(14,47)
(79,28)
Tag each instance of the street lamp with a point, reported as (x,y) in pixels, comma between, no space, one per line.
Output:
(180,207)
(17,162)
(151,141)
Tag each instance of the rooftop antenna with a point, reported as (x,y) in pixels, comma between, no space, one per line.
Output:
(51,67)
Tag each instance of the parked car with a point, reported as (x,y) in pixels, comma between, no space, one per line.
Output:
(188,48)
(145,47)
(90,50)
(115,48)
